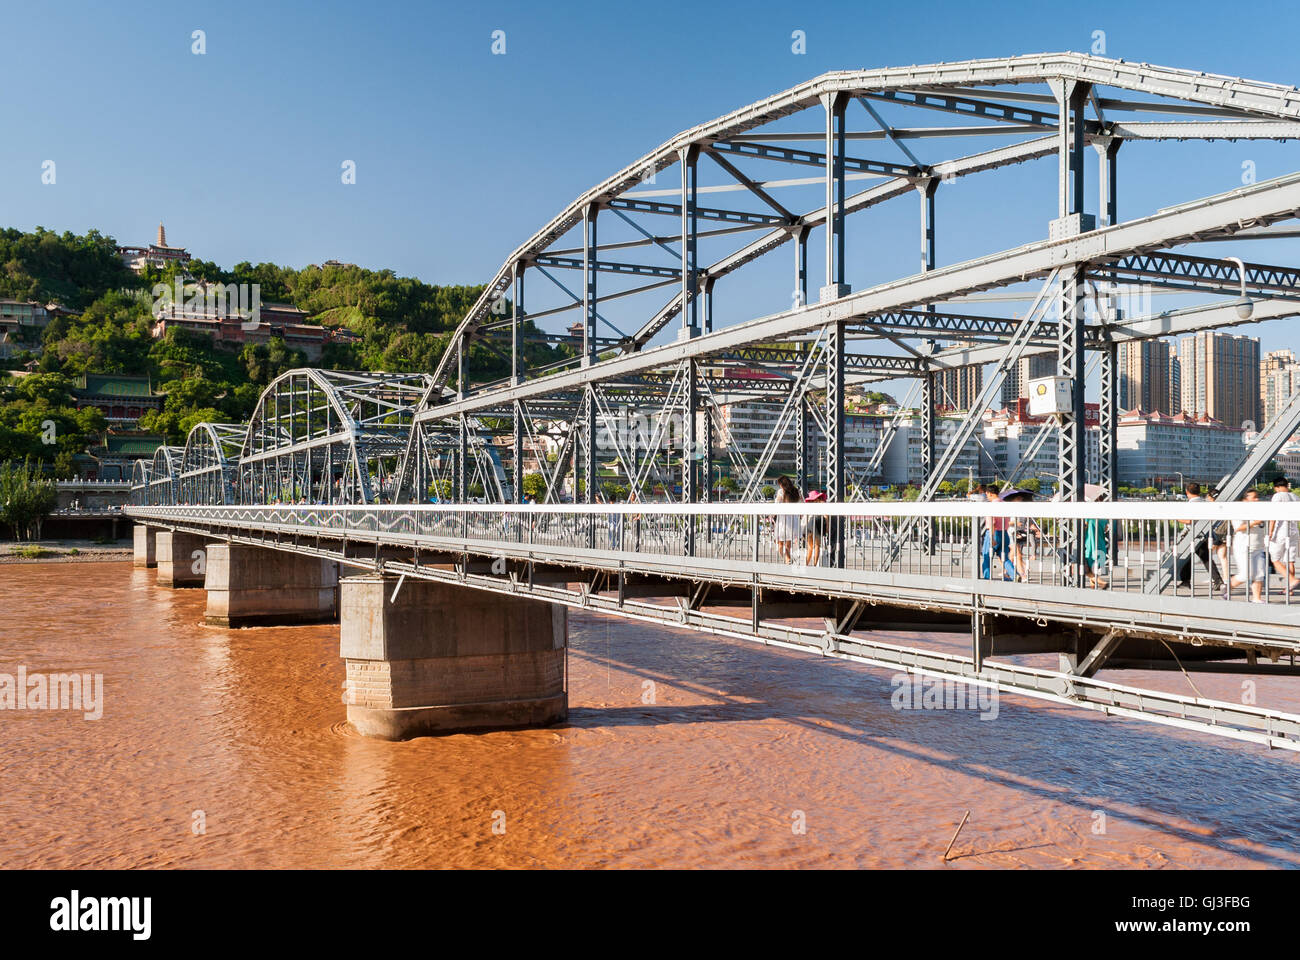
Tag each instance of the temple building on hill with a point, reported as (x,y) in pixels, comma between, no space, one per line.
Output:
(115,456)
(157,254)
(122,399)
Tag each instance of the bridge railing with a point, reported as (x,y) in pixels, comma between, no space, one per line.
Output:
(1237,552)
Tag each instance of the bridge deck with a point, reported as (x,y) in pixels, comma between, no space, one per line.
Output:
(647,555)
(737,549)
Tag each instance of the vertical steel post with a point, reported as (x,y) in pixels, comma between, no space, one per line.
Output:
(707,287)
(929,392)
(516,316)
(690,485)
(835,491)
(1107,169)
(588,446)
(687,157)
(927,188)
(462,449)
(836,287)
(462,456)
(1071,95)
(517,445)
(1072,455)
(801,451)
(928,399)
(800,294)
(590,253)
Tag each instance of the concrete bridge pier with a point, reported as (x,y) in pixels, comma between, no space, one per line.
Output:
(441,658)
(177,564)
(254,586)
(145,554)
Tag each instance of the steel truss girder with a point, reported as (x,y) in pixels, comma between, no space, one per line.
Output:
(1188,272)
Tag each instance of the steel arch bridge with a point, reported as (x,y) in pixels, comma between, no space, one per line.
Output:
(676,325)
(648,364)
(160,477)
(643,378)
(328,436)
(208,466)
(141,474)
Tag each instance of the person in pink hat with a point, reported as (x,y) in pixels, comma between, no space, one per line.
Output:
(814,532)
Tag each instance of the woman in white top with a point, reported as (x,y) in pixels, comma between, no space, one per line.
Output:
(787,525)
(1250,552)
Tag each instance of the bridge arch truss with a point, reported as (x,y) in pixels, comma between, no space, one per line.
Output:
(328,436)
(209,464)
(628,285)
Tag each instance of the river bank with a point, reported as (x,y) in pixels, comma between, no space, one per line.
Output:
(64,551)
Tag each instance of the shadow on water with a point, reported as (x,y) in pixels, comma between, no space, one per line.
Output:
(1232,797)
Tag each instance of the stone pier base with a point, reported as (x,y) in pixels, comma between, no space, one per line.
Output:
(443,658)
(254,586)
(177,564)
(145,546)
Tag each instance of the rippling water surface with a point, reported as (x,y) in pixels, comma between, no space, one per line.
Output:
(738,745)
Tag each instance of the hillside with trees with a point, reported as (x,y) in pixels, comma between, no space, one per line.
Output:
(403,325)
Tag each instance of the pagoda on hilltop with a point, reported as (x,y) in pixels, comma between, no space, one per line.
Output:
(157,254)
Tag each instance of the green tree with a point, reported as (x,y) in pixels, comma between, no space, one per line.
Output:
(26,499)
(534,485)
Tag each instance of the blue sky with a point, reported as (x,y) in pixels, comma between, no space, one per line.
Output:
(460,154)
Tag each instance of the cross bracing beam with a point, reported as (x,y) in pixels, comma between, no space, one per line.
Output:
(1206,130)
(901,133)
(637,205)
(965,166)
(967,106)
(608,266)
(764,151)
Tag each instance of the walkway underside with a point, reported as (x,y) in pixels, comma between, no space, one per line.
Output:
(839,612)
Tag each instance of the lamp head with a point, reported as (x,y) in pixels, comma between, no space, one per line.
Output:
(1245,308)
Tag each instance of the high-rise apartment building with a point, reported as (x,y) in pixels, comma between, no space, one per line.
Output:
(1279,378)
(958,388)
(1145,377)
(1220,377)
(1033,367)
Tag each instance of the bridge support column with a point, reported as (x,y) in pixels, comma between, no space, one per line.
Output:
(177,565)
(145,546)
(254,586)
(440,658)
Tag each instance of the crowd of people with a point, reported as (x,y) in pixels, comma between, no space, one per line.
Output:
(1240,552)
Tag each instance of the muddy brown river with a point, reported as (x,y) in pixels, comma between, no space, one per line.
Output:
(221,748)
